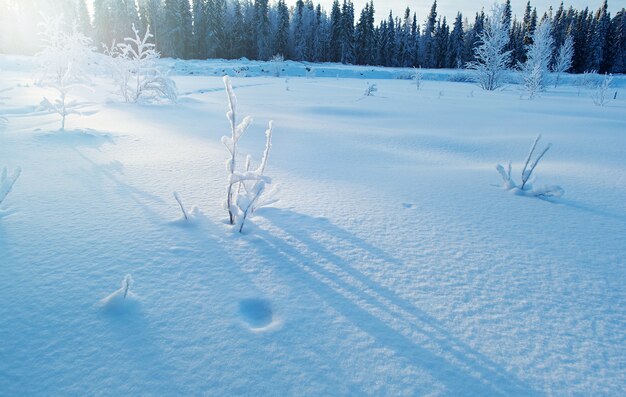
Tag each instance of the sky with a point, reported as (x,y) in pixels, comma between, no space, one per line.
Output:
(449,8)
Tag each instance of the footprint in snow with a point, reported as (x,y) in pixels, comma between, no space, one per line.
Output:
(257,313)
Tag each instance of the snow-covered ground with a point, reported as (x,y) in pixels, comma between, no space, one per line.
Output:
(393,265)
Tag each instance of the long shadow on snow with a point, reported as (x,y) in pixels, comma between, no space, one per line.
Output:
(108,171)
(586,208)
(394,322)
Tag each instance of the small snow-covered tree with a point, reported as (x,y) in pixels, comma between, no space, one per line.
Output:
(64,61)
(417,77)
(564,57)
(601,94)
(135,70)
(277,63)
(7,182)
(492,59)
(538,56)
(526,188)
(247,188)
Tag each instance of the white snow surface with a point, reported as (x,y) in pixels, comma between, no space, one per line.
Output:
(393,265)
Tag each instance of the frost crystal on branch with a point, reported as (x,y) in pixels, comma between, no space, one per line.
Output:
(526,188)
(246,189)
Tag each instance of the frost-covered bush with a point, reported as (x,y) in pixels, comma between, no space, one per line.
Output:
(417,77)
(526,188)
(7,182)
(492,59)
(64,62)
(370,90)
(601,94)
(247,188)
(135,71)
(277,62)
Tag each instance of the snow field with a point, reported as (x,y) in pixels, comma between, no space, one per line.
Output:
(394,264)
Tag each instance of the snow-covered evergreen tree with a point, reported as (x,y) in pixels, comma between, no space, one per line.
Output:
(492,58)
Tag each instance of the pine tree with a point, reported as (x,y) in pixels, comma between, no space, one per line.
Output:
(442,38)
(282,33)
(455,57)
(199,29)
(427,45)
(347,32)
(83,20)
(336,29)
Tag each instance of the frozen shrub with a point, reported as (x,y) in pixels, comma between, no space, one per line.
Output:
(7,182)
(247,188)
(601,94)
(526,188)
(136,73)
(370,90)
(277,63)
(64,61)
(417,77)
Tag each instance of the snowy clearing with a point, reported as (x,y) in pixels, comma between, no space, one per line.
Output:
(394,263)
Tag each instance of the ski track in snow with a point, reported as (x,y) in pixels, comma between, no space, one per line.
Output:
(391,266)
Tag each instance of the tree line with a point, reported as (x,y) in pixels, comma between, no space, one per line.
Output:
(256,29)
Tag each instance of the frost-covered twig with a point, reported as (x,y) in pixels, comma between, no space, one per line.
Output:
(7,182)
(180,203)
(526,187)
(246,188)
(126,284)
